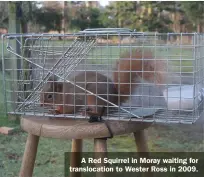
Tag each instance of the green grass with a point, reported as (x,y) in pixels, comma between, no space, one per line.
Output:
(50,155)
(181,60)
(3,115)
(6,54)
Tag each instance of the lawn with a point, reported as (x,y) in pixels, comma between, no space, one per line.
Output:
(50,156)
(179,59)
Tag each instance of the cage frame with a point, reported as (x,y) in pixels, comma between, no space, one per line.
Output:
(89,33)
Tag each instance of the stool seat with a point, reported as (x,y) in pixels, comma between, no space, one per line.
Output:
(77,130)
(68,128)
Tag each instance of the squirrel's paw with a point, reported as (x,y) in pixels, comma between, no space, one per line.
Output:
(55,112)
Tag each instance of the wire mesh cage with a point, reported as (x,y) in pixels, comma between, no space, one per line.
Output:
(82,74)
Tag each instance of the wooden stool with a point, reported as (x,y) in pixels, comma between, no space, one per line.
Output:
(77,130)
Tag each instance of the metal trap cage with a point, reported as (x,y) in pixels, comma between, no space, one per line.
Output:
(84,64)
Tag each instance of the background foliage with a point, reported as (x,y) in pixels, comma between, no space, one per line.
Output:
(161,16)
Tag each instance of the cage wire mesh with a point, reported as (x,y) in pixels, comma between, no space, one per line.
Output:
(30,60)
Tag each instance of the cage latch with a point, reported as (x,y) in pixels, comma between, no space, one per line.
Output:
(95,118)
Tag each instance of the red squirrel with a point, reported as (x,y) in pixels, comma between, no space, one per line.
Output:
(117,91)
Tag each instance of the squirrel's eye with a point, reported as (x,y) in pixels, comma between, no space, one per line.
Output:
(49,96)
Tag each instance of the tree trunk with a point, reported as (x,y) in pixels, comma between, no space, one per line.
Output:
(24,27)
(14,27)
(198,27)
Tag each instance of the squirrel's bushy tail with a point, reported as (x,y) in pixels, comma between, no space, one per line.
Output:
(136,64)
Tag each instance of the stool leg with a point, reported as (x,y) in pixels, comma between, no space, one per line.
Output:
(142,149)
(77,145)
(100,145)
(29,156)
(100,149)
(141,141)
